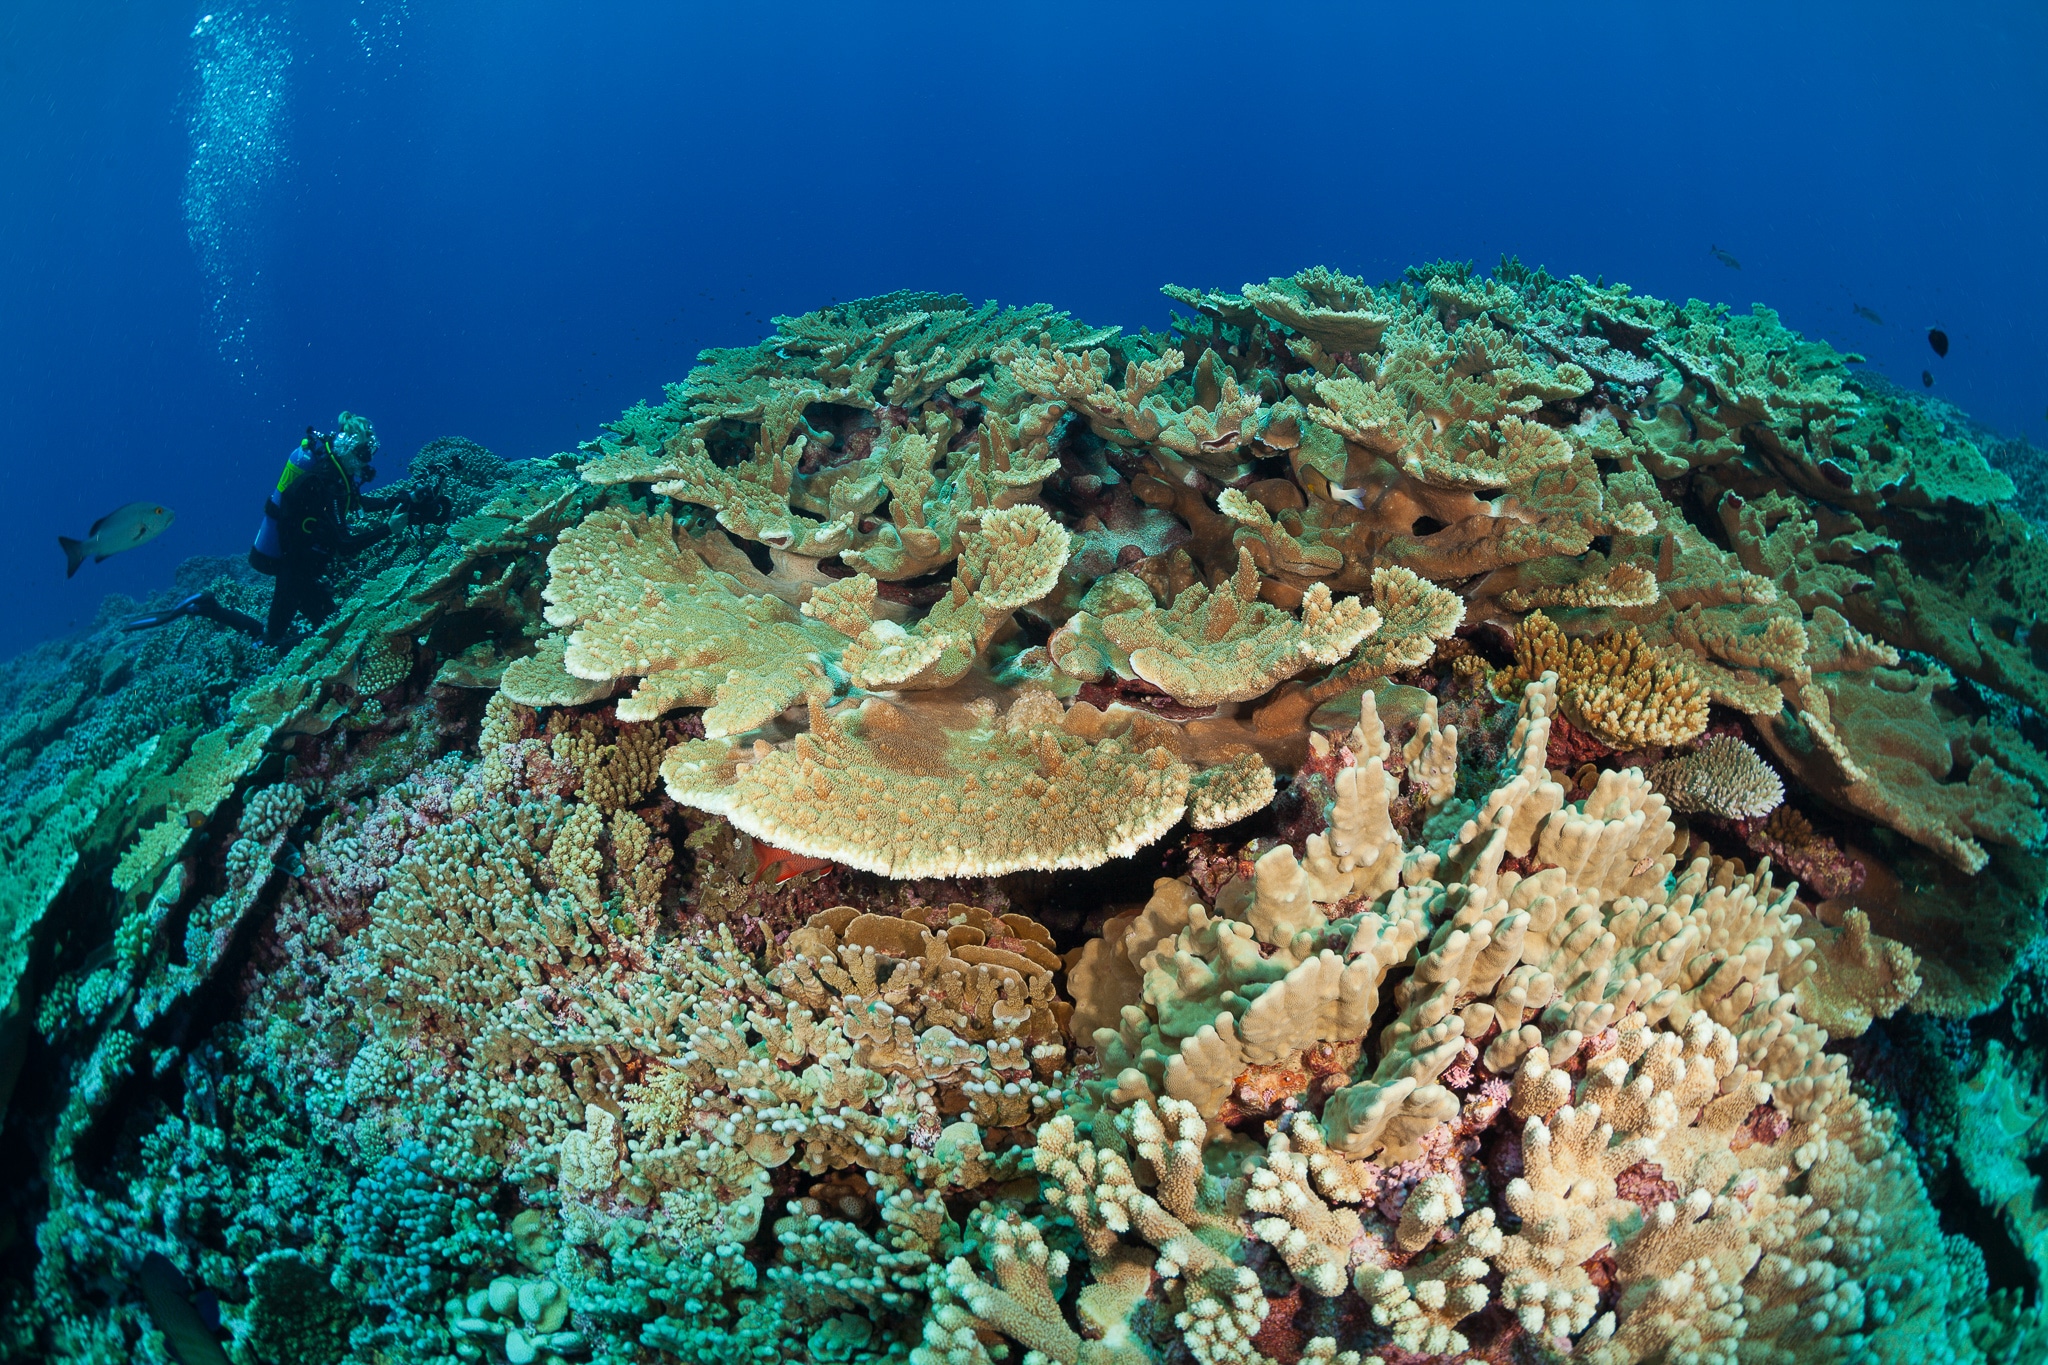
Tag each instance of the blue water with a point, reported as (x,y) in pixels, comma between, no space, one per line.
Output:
(510,220)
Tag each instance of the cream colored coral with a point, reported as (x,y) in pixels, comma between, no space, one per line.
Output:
(1289,553)
(640,601)
(1415,615)
(1215,645)
(1646,1013)
(1858,975)
(543,679)
(1423,1302)
(1284,1211)
(1722,777)
(1202,435)
(1229,792)
(1098,1188)
(1013,559)
(752,500)
(965,792)
(1624,585)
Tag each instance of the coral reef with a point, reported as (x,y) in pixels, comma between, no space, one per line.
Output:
(1467,819)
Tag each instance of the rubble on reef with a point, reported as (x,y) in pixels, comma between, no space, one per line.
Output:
(1484,819)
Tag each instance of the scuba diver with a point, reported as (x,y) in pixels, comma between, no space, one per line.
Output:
(305,527)
(305,521)
(198,604)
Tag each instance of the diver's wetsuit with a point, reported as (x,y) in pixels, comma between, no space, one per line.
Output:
(313,530)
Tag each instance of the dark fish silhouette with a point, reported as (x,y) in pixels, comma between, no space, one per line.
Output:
(1725,258)
(168,1296)
(1938,339)
(1867,314)
(1926,379)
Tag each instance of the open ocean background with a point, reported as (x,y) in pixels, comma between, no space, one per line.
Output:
(508,221)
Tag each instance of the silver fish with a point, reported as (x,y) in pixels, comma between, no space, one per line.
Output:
(124,528)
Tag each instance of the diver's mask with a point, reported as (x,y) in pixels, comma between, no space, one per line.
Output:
(359,451)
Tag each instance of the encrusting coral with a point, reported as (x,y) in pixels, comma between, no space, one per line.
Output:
(696,907)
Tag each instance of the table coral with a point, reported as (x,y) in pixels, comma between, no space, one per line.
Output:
(1036,786)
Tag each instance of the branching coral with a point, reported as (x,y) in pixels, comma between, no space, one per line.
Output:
(1620,691)
(1722,777)
(1638,1036)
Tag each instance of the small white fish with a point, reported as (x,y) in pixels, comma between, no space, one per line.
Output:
(124,528)
(1354,496)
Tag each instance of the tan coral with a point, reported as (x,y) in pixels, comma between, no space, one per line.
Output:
(1205,435)
(640,601)
(543,679)
(1859,975)
(940,792)
(1879,740)
(1011,560)
(1216,645)
(1617,688)
(1339,312)
(1722,777)
(932,992)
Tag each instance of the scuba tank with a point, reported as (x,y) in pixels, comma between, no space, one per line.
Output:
(266,554)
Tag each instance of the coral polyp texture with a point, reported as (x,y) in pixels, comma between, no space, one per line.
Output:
(1468,819)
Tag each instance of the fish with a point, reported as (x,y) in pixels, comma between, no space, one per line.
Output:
(1926,379)
(1867,314)
(124,528)
(1725,258)
(784,863)
(1938,339)
(168,1295)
